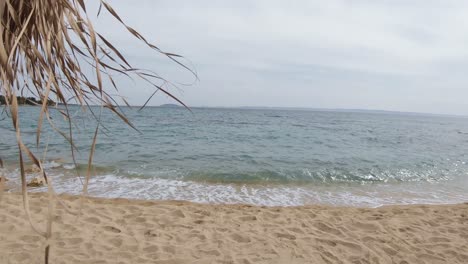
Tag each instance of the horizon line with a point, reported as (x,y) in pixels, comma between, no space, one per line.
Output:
(175,105)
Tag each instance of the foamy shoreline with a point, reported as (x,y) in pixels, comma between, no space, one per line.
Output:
(337,194)
(136,231)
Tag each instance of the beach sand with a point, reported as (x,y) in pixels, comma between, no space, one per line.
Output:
(131,231)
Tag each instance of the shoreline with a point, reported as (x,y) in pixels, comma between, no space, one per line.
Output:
(336,194)
(118,230)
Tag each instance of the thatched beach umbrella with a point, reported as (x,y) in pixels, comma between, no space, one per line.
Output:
(45,45)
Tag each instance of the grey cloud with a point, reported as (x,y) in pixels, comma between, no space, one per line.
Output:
(395,55)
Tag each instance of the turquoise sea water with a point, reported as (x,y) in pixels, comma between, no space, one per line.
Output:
(267,157)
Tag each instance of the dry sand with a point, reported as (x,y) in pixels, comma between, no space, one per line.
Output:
(129,231)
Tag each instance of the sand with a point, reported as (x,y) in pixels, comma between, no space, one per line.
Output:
(131,231)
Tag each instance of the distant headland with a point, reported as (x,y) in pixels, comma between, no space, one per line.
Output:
(27,101)
(171,106)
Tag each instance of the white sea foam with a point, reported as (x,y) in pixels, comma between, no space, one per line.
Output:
(69,166)
(372,195)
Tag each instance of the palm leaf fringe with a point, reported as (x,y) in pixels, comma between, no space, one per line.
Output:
(44,45)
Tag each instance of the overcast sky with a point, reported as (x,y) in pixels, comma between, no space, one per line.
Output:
(366,54)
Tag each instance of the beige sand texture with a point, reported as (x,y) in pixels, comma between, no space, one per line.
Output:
(130,231)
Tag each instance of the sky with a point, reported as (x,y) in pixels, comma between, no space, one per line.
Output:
(357,54)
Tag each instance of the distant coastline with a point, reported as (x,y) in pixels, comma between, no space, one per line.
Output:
(170,106)
(33,102)
(27,101)
(343,110)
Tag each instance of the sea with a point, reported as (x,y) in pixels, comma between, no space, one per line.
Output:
(268,157)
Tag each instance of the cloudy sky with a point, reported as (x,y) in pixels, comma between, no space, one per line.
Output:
(388,54)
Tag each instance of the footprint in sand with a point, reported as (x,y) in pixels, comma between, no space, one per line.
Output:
(287,236)
(140,220)
(178,214)
(199,236)
(93,220)
(366,226)
(20,257)
(248,218)
(240,239)
(213,252)
(151,249)
(116,242)
(203,213)
(112,229)
(149,233)
(30,239)
(328,229)
(439,239)
(296,230)
(169,249)
(73,241)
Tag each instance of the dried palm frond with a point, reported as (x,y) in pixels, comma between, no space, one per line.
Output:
(45,46)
